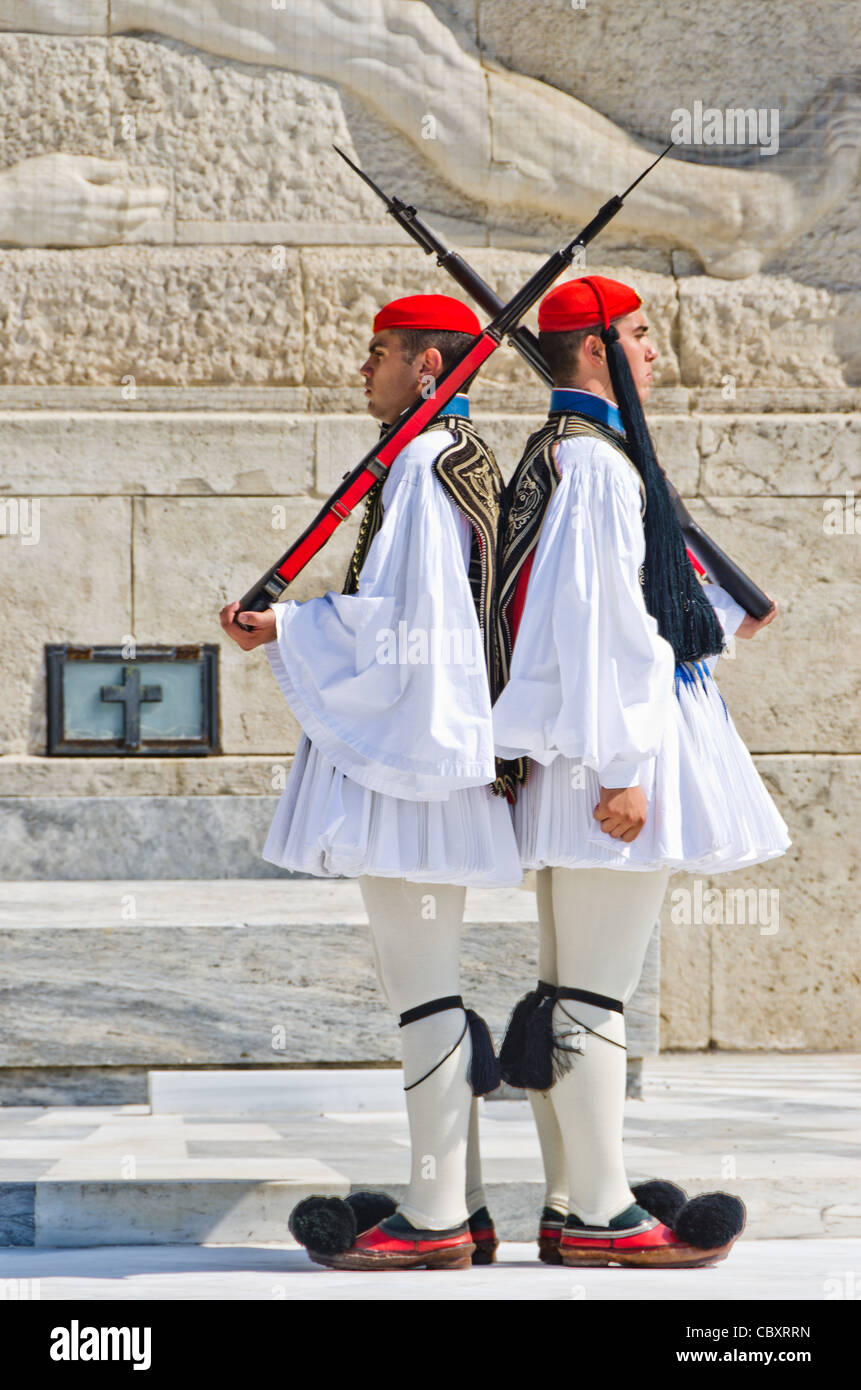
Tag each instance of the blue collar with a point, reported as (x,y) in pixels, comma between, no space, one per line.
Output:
(458,405)
(568,400)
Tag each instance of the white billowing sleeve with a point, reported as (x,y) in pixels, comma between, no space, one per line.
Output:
(390,683)
(591,678)
(730,614)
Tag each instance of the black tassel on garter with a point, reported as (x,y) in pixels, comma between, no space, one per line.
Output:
(535,1054)
(514,1049)
(514,1040)
(483,1074)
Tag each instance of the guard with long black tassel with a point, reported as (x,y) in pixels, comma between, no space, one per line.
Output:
(629,767)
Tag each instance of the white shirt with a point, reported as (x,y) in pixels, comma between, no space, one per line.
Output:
(390,683)
(591,678)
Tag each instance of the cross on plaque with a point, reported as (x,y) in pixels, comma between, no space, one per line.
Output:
(131,694)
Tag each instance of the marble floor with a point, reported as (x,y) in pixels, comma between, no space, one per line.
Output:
(810,1270)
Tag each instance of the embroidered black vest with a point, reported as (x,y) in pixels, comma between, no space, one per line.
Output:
(523,508)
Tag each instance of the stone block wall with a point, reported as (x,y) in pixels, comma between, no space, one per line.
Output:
(179,405)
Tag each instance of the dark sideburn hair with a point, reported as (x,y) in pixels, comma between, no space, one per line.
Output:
(450,345)
(560,350)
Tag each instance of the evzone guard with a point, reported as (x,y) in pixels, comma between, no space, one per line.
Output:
(626,763)
(392,682)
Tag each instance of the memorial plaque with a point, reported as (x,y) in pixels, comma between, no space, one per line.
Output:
(163,702)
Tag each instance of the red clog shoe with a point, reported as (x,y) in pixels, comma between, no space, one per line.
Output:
(483,1235)
(703,1234)
(395,1244)
(657,1196)
(549,1236)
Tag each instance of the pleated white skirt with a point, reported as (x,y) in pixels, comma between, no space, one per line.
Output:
(330,826)
(708,808)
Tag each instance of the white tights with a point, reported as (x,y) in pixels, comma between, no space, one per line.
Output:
(415,935)
(595,926)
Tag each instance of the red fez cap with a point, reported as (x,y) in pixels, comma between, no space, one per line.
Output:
(592,299)
(427,311)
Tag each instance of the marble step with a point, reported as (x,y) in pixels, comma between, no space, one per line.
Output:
(234,1207)
(275,1093)
(186,974)
(781,1132)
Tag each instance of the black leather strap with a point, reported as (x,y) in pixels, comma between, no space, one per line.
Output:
(601,1001)
(433,1006)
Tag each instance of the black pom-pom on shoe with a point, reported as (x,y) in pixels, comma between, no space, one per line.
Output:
(660,1198)
(710,1220)
(370,1208)
(325,1224)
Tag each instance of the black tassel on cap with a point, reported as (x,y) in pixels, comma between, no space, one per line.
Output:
(484,1074)
(671,591)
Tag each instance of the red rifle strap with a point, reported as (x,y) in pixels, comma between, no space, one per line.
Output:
(306,549)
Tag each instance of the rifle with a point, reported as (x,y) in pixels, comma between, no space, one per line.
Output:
(705,554)
(377,461)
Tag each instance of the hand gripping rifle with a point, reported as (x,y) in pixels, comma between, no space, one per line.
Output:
(376,463)
(706,555)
